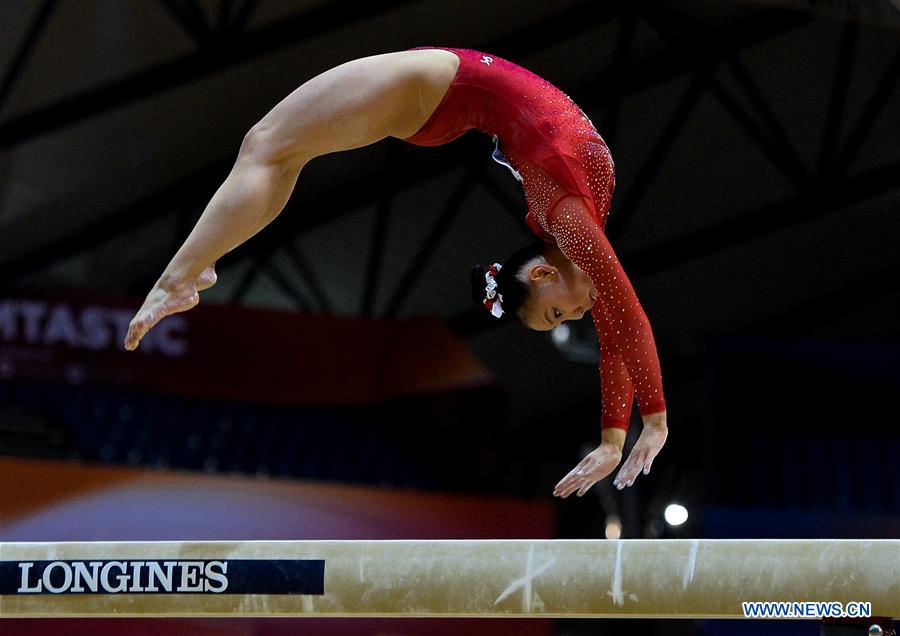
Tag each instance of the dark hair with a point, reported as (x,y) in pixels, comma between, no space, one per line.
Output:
(514,291)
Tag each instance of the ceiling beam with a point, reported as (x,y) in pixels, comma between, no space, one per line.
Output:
(20,59)
(813,202)
(413,165)
(219,55)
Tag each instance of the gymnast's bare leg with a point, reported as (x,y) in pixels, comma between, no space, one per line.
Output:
(352,105)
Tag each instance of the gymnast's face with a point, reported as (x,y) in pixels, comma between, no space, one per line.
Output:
(556,296)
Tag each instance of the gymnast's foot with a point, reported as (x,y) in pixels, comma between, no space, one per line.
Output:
(167,297)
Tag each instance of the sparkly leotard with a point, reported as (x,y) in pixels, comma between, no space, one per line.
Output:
(568,176)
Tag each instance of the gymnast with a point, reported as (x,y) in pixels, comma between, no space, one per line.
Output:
(429,96)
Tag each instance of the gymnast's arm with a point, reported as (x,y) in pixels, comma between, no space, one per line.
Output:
(618,397)
(624,333)
(617,389)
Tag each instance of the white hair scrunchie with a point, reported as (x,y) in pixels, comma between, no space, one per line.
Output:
(492,300)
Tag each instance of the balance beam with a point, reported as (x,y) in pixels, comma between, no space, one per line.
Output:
(558,578)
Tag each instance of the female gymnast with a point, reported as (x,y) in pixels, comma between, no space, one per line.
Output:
(429,96)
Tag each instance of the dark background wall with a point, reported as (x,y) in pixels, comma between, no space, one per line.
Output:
(757,147)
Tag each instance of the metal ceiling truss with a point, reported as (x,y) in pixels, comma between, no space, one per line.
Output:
(820,192)
(622,60)
(765,27)
(828,189)
(198,186)
(191,17)
(665,141)
(451,209)
(378,240)
(837,102)
(809,204)
(305,273)
(376,254)
(19,60)
(761,125)
(204,30)
(285,284)
(771,126)
(223,48)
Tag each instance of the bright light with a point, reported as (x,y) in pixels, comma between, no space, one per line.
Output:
(675,514)
(561,334)
(613,527)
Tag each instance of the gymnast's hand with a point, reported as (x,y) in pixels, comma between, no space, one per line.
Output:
(644,451)
(166,298)
(599,463)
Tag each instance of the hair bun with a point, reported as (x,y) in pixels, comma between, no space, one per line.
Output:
(478,285)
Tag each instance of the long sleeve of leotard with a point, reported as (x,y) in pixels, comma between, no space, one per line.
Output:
(616,387)
(629,361)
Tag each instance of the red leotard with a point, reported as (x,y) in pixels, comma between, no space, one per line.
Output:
(568,176)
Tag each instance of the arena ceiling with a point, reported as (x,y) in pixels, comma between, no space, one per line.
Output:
(757,148)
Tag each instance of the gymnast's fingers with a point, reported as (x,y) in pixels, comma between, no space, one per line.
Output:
(570,485)
(578,485)
(565,481)
(638,465)
(562,489)
(620,479)
(630,469)
(587,486)
(573,474)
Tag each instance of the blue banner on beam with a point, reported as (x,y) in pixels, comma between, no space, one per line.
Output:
(164,576)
